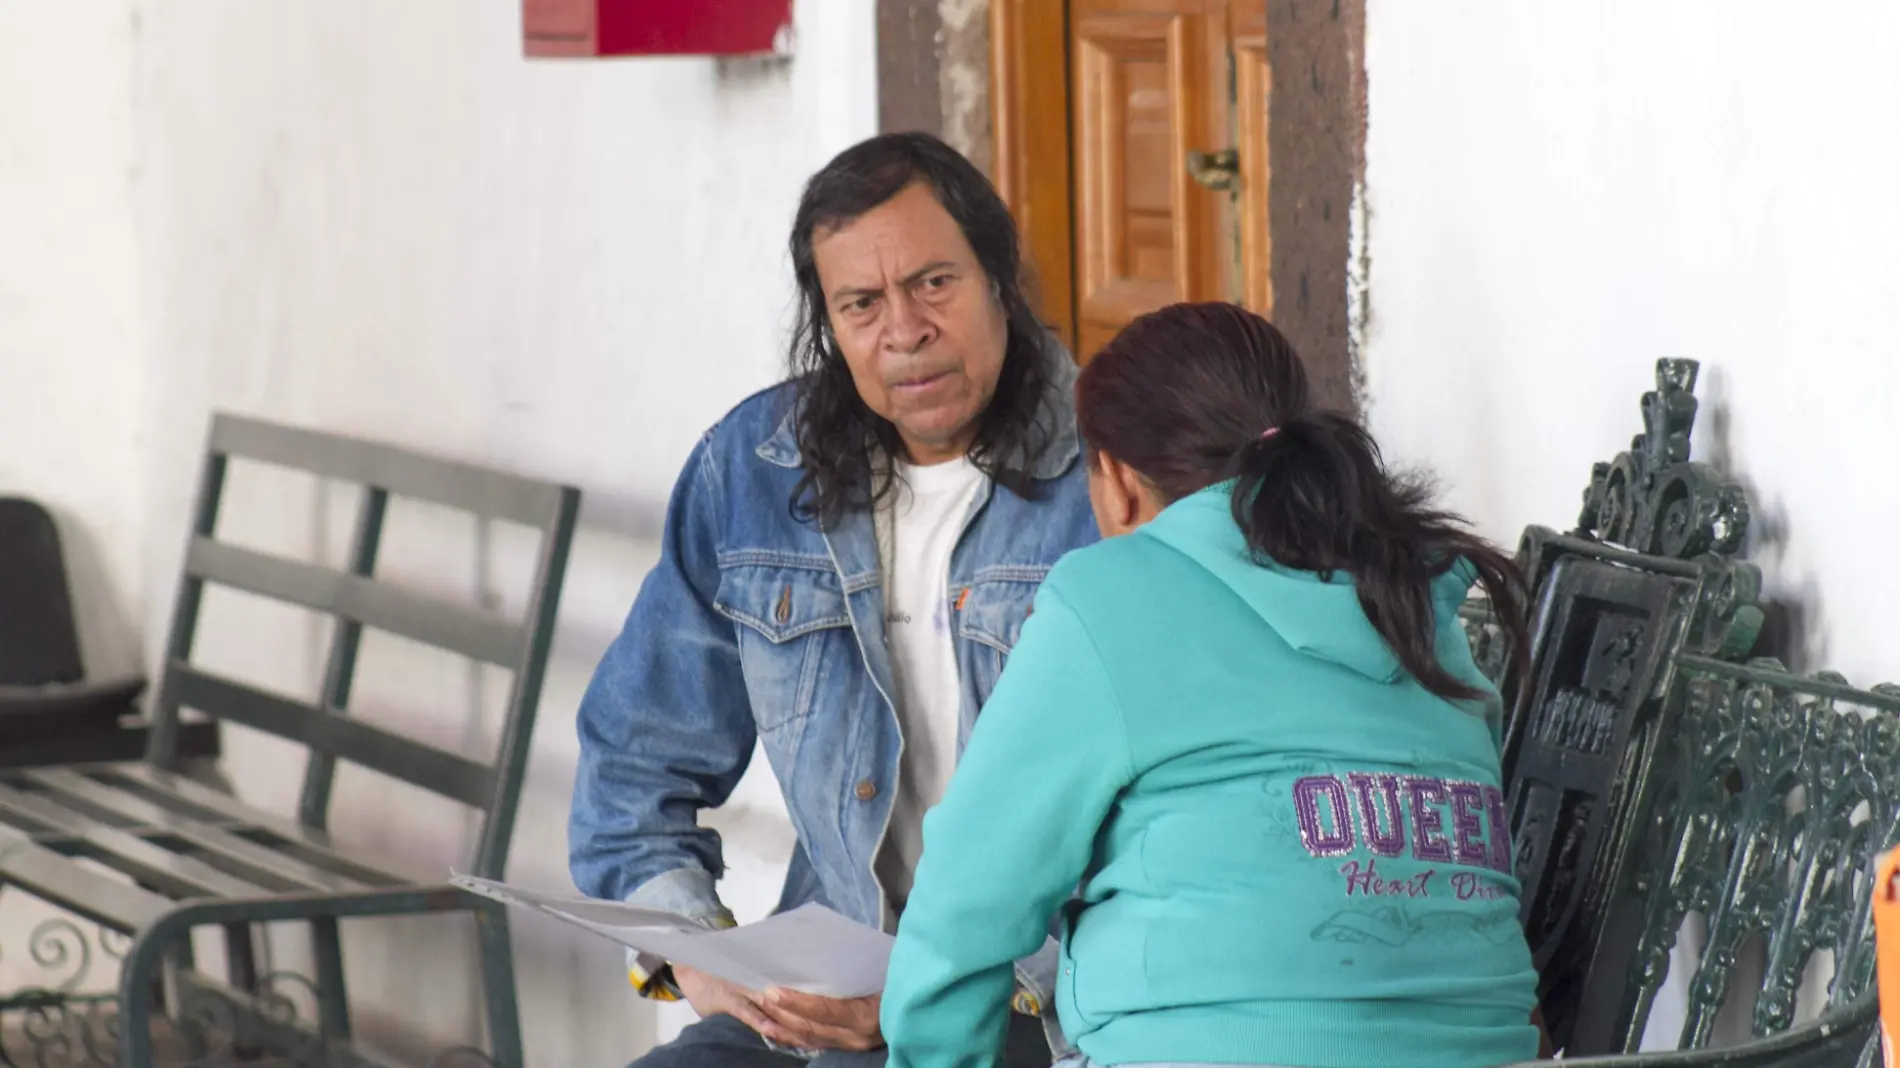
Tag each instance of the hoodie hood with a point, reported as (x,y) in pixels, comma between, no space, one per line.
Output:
(1318,617)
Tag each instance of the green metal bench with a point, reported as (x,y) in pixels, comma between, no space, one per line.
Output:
(1654,773)
(177,855)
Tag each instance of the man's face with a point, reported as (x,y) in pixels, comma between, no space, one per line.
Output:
(916,319)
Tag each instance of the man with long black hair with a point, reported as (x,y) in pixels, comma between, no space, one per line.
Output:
(847,560)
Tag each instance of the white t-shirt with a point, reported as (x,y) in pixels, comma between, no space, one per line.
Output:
(918,524)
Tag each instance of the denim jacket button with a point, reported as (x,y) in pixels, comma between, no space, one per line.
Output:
(867,790)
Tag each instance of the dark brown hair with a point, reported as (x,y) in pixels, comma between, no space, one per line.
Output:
(1197,394)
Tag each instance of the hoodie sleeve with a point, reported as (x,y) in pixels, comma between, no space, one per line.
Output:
(1012,838)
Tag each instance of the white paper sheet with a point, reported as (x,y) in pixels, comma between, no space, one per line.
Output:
(810,949)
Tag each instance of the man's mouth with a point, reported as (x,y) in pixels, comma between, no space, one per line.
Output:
(920,383)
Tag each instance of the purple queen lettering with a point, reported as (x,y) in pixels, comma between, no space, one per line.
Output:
(1467,810)
(1428,839)
(1313,833)
(1387,841)
(1500,831)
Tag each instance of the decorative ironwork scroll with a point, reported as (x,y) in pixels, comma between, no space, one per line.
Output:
(63,1021)
(1654,499)
(1775,793)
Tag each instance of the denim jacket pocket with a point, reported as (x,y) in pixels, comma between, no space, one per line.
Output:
(789,616)
(994,609)
(991,617)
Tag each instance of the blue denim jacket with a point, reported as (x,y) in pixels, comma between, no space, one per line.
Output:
(755,625)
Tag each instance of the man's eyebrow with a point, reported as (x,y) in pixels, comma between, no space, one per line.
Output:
(928,268)
(855,291)
(915,276)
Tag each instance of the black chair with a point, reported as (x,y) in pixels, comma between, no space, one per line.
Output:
(50,712)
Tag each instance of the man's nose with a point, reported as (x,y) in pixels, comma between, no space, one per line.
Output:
(910,328)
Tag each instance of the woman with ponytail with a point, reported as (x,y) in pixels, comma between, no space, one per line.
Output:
(1241,762)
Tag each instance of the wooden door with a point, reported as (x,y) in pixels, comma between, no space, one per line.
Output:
(1149,87)
(1103,108)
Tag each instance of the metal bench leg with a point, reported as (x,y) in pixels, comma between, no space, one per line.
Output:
(498,983)
(173,1002)
(333,1002)
(138,996)
(240,956)
(152,985)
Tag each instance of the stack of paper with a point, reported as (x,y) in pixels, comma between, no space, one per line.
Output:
(810,949)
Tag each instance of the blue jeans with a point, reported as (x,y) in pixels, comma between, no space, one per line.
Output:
(723,1042)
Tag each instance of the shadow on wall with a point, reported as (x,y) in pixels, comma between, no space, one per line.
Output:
(1794,624)
(1793,629)
(620,531)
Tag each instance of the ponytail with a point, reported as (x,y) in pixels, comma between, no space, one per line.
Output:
(1196,394)
(1314,494)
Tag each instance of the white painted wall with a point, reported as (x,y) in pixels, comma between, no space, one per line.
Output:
(1560,194)
(71,380)
(380,219)
(71,377)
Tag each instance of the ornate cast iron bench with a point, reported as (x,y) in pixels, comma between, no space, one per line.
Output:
(179,856)
(1654,772)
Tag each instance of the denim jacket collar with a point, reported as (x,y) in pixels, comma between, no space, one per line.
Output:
(1056,417)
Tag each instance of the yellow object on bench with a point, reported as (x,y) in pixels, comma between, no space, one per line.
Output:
(1887,951)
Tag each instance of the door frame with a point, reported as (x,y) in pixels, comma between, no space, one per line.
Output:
(1029,115)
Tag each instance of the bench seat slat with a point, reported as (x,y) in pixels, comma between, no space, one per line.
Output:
(241,852)
(149,862)
(195,798)
(68,791)
(72,886)
(18,810)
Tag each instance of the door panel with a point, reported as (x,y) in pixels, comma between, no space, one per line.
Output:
(1253,87)
(1150,82)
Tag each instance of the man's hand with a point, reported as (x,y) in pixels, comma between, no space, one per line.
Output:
(715,997)
(812,1022)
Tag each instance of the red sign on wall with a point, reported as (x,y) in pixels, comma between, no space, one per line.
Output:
(657,27)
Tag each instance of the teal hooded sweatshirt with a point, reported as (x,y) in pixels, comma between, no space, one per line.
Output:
(1287,851)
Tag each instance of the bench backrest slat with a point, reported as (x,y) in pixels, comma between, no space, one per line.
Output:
(470,488)
(472,633)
